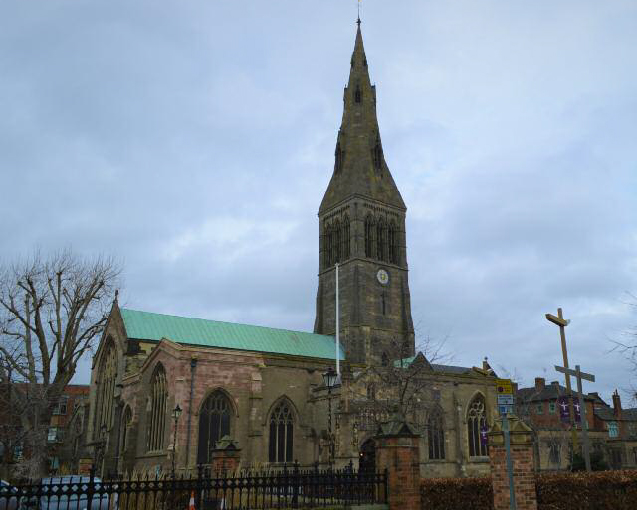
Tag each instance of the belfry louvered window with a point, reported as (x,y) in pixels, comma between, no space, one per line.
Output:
(105,389)
(476,425)
(157,410)
(327,245)
(370,232)
(381,240)
(393,242)
(345,238)
(214,423)
(336,242)
(281,433)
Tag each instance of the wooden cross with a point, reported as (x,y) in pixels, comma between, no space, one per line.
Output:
(579,375)
(562,323)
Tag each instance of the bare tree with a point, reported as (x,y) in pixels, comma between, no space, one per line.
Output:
(402,383)
(52,310)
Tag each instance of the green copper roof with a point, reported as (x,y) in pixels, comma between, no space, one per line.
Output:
(183,330)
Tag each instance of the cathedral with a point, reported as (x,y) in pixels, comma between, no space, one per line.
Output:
(166,390)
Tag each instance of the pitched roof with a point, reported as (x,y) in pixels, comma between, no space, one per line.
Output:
(549,392)
(228,335)
(607,414)
(450,369)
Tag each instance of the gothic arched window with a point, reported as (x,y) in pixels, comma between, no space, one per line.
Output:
(345,238)
(436,435)
(127,419)
(393,242)
(370,231)
(476,423)
(105,388)
(357,94)
(381,240)
(157,409)
(336,241)
(214,423)
(282,433)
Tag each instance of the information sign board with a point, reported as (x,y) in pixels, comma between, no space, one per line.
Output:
(504,386)
(505,399)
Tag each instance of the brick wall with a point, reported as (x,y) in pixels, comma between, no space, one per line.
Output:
(400,456)
(524,478)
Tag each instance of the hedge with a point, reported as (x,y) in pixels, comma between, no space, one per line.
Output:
(456,493)
(603,490)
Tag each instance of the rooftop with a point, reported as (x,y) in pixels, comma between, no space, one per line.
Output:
(227,335)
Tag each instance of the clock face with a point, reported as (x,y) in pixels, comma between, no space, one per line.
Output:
(382,276)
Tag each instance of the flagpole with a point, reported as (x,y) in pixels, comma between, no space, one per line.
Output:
(338,368)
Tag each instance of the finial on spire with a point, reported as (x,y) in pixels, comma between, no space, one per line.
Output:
(358,17)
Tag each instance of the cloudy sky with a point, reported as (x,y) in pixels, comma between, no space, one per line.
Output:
(193,140)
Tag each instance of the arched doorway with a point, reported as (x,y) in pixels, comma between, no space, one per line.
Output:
(367,457)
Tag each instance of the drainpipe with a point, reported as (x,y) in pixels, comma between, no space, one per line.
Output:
(193,365)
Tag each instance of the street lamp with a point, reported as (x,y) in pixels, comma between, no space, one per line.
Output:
(330,379)
(176,415)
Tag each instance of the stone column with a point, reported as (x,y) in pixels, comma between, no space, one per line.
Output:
(398,452)
(226,456)
(522,457)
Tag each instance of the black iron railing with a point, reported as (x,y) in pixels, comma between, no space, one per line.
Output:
(287,487)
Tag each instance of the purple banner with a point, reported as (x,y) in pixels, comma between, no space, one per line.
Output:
(562,403)
(576,410)
(484,439)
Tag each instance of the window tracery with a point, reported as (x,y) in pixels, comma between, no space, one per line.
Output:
(281,448)
(106,388)
(214,423)
(436,435)
(476,423)
(157,418)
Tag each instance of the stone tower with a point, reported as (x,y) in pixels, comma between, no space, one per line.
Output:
(362,228)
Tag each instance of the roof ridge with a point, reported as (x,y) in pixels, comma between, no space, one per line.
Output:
(226,322)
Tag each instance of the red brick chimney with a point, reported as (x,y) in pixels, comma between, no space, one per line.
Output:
(539,383)
(617,405)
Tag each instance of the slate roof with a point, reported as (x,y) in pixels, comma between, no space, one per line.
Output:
(228,335)
(449,369)
(549,392)
(607,414)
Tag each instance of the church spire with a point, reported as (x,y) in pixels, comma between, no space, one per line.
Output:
(359,163)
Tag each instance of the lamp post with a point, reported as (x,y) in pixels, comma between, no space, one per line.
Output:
(330,379)
(176,415)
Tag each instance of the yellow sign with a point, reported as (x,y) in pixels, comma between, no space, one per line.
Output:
(504,386)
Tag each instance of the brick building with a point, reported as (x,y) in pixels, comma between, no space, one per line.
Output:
(264,386)
(620,426)
(612,431)
(58,431)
